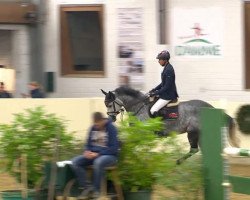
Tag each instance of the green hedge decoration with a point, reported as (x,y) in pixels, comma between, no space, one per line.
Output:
(243,119)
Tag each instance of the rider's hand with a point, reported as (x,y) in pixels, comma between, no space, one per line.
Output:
(152,94)
(153,90)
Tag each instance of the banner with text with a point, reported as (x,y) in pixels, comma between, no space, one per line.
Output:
(197,32)
(130,47)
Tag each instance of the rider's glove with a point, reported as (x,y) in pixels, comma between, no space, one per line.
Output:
(152,94)
(153,90)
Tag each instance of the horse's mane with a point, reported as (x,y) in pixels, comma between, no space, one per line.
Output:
(124,90)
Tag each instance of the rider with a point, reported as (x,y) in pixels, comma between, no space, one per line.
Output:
(166,90)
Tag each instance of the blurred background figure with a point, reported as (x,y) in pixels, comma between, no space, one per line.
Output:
(36,91)
(3,92)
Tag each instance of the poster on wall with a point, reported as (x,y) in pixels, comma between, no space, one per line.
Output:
(197,32)
(130,47)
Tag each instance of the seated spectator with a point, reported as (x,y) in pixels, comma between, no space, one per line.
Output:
(3,92)
(100,151)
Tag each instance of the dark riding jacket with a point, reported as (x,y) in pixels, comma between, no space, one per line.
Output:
(167,88)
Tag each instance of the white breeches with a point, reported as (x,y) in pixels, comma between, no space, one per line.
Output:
(158,105)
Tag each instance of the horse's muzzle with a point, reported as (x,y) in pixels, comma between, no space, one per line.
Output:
(112,117)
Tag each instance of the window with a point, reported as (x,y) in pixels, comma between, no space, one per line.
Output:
(82,41)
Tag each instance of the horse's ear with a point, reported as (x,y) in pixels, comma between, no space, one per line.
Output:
(105,93)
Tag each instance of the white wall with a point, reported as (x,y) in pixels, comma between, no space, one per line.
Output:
(77,113)
(203,78)
(80,87)
(87,87)
(215,78)
(18,56)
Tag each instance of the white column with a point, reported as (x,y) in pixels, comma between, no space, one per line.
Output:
(20,59)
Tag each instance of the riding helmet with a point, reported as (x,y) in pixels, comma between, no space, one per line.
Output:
(164,55)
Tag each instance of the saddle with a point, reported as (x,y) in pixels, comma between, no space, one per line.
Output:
(168,112)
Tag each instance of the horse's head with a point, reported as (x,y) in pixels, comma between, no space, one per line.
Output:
(113,104)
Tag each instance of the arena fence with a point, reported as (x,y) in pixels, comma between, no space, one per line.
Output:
(218,181)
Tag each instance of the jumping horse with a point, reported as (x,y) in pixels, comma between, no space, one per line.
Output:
(188,120)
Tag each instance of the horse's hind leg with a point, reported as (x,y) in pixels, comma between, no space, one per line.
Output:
(193,138)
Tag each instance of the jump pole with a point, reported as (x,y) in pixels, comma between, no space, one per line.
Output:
(212,124)
(218,182)
(232,151)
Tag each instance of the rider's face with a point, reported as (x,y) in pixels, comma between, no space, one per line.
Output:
(162,62)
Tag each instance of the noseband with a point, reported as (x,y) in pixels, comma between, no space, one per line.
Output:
(116,112)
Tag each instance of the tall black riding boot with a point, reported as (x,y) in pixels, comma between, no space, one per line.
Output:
(156,114)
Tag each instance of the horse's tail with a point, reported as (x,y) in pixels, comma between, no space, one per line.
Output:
(233,139)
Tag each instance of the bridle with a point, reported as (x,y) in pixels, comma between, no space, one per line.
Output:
(121,110)
(114,103)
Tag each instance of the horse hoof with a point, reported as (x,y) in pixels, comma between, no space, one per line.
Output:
(179,161)
(194,150)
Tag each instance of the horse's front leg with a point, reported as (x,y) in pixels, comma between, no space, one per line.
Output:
(193,138)
(187,155)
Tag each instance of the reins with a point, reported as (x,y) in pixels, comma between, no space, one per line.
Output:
(120,103)
(147,96)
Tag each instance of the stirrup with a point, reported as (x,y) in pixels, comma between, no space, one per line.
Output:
(155,114)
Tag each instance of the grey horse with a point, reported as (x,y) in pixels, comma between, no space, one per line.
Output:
(188,121)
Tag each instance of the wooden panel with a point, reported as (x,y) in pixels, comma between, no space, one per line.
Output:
(66,57)
(240,184)
(247,45)
(96,7)
(17,13)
